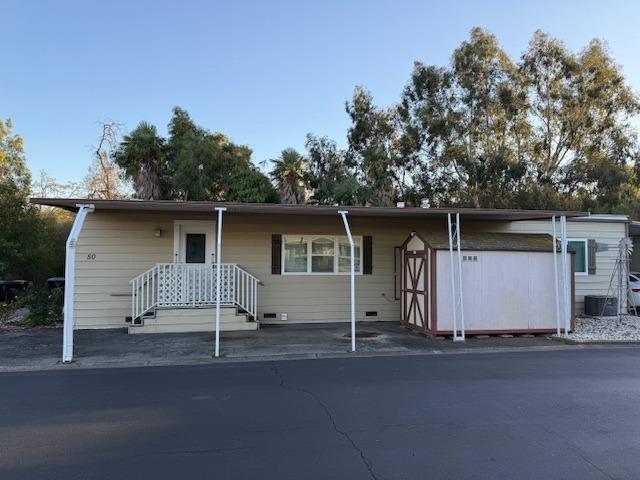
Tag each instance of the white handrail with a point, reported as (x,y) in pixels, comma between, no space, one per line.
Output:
(190,285)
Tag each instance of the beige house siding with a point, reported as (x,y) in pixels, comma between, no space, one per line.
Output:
(124,246)
(113,248)
(604,232)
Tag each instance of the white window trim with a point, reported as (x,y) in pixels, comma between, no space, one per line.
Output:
(336,256)
(586,255)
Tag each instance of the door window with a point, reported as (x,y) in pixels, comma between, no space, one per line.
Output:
(195,247)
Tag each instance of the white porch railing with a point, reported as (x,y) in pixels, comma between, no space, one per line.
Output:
(189,285)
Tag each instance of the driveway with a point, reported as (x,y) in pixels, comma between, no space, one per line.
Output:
(569,414)
(41,348)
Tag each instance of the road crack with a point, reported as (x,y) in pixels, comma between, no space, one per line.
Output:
(366,461)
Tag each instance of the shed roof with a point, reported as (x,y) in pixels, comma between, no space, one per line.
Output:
(174,206)
(518,242)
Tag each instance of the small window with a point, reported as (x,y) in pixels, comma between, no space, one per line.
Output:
(295,255)
(344,255)
(322,253)
(580,258)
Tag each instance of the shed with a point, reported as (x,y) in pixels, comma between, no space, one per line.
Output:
(508,283)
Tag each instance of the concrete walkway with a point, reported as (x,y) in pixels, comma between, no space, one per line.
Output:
(39,349)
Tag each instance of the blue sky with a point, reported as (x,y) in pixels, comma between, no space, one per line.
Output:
(265,73)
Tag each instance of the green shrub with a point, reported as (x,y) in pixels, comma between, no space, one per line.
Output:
(45,308)
(6,310)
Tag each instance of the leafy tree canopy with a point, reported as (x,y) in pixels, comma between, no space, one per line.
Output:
(31,240)
(551,129)
(191,164)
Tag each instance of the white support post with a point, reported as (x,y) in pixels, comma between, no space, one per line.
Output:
(461,338)
(555,272)
(454,305)
(218,259)
(456,295)
(344,213)
(69,282)
(565,275)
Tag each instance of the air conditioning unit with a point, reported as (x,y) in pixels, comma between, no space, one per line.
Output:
(600,305)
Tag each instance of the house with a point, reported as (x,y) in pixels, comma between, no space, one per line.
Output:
(149,265)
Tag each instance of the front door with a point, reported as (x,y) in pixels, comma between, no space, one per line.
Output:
(194,241)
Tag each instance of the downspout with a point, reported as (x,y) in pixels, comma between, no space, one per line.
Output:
(343,214)
(69,282)
(218,279)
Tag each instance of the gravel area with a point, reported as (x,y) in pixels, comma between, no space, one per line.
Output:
(606,329)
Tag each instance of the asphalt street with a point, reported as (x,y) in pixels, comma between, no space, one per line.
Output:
(572,414)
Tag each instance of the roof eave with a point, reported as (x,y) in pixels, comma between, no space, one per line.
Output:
(169,206)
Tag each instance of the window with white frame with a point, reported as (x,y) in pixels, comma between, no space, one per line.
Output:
(580,258)
(319,255)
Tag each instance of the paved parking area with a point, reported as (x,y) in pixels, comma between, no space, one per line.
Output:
(41,348)
(553,415)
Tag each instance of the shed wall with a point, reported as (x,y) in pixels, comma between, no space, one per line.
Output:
(503,291)
(605,233)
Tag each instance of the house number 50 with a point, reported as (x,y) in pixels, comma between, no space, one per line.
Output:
(91,256)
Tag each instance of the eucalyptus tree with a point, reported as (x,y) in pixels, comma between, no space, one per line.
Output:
(485,121)
(581,107)
(372,138)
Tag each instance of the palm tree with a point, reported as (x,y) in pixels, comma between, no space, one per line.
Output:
(142,155)
(289,172)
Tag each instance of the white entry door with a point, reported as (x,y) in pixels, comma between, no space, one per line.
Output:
(193,241)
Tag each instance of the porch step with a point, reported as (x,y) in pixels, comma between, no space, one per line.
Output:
(194,320)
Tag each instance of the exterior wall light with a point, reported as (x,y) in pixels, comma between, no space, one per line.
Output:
(158,232)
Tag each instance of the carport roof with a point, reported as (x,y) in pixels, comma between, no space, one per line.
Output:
(174,206)
(517,242)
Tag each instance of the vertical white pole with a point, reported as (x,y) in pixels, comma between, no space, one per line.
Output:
(565,273)
(461,292)
(555,272)
(69,282)
(344,213)
(453,280)
(218,274)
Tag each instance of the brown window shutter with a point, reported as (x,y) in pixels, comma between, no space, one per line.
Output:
(367,255)
(591,253)
(276,254)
